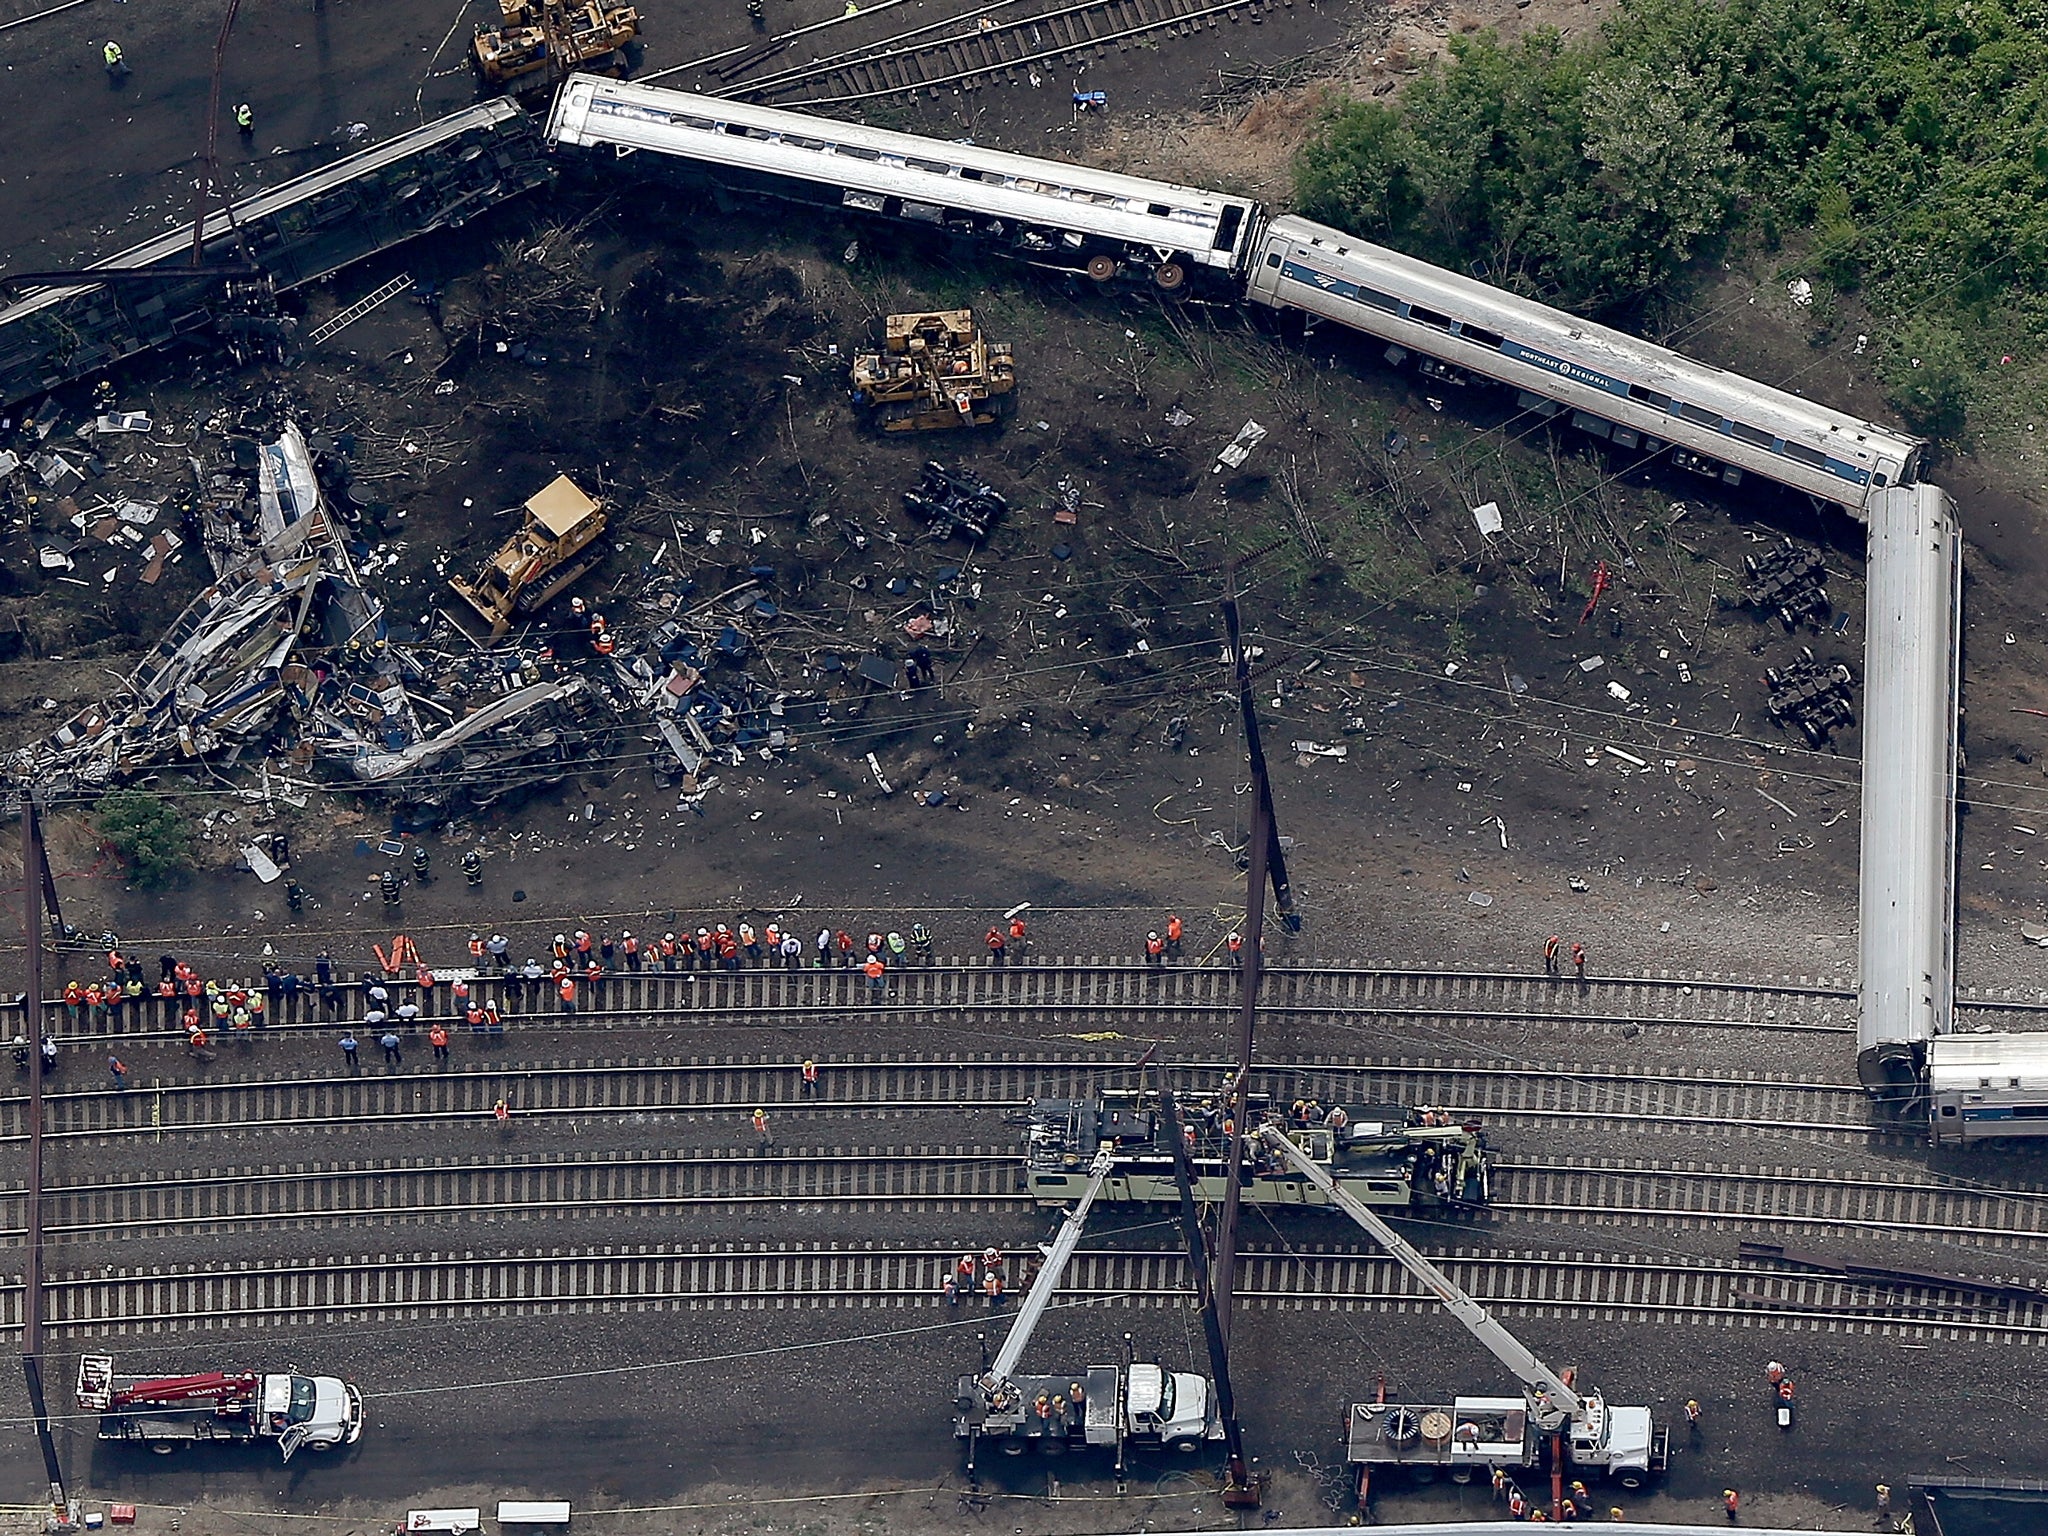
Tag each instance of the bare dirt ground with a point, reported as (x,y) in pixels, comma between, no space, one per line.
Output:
(688,370)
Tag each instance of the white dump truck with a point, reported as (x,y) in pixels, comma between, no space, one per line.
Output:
(315,1413)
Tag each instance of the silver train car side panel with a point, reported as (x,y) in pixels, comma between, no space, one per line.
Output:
(1912,669)
(1047,211)
(1632,392)
(1987,1087)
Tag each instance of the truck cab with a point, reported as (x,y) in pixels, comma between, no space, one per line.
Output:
(1625,1442)
(314,1413)
(1169,1406)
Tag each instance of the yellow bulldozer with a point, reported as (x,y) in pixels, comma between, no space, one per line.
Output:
(935,371)
(558,542)
(538,42)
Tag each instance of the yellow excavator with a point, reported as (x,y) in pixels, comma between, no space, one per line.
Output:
(538,42)
(935,371)
(557,543)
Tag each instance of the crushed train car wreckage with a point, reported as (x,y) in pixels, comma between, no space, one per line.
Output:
(285,648)
(287,659)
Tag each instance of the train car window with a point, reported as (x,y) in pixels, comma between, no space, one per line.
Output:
(1227,228)
(936,167)
(1158,210)
(970,173)
(701,124)
(1273,260)
(1701,416)
(737,130)
(1484,337)
(1644,396)
(1429,317)
(1379,300)
(1948,1111)
(1879,477)
(798,141)
(1812,457)
(1753,435)
(857,152)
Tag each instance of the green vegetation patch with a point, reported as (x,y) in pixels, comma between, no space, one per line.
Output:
(1909,140)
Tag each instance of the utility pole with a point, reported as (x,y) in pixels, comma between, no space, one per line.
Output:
(1266,863)
(209,166)
(1242,1489)
(37,888)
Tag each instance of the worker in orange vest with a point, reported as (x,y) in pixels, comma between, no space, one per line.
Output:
(875,972)
(1017,930)
(1155,949)
(1579,960)
(810,1071)
(764,1139)
(1550,953)
(996,942)
(566,991)
(1175,932)
(437,1037)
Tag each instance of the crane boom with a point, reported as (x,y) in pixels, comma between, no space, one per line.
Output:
(1551,1398)
(1039,1297)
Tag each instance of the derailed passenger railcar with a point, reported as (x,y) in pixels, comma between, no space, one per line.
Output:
(1990,1087)
(1047,212)
(1641,397)
(436,176)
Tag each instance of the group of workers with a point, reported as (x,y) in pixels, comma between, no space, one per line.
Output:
(969,1274)
(1576,1504)
(1552,945)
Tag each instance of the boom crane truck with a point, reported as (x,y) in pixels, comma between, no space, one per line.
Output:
(1106,1405)
(1469,1436)
(236,1407)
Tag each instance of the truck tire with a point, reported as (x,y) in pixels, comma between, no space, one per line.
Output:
(1632,1479)
(1462,1474)
(1186,1445)
(164,1447)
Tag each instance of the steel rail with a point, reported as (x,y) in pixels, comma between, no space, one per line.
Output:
(1583,1095)
(1625,1290)
(1024,60)
(986,1176)
(891,49)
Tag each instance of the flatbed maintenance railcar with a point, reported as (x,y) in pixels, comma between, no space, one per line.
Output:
(1383,1154)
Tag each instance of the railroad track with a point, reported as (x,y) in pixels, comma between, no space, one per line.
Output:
(1136,998)
(1576,1095)
(388,1288)
(1000,42)
(971,1179)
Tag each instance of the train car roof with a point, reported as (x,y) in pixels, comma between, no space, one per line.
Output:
(1608,353)
(581,91)
(1962,1062)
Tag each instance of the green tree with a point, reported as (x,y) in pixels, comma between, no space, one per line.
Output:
(152,837)
(1928,373)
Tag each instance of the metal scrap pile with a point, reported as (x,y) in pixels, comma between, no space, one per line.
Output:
(286,649)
